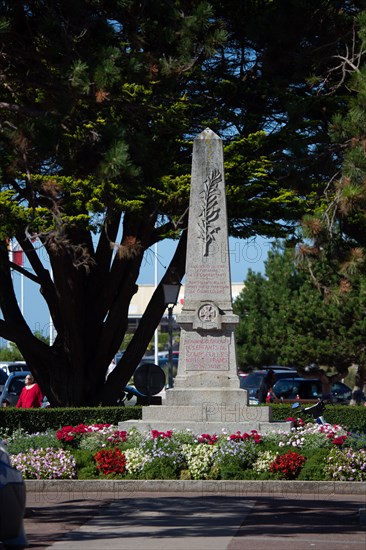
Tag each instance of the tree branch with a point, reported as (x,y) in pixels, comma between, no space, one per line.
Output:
(19,109)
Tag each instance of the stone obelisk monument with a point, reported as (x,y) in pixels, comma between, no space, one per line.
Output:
(207,350)
(206,397)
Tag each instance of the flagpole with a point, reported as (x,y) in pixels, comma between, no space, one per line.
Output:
(22,293)
(156,334)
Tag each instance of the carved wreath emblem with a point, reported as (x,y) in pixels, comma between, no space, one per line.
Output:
(207,313)
(209,210)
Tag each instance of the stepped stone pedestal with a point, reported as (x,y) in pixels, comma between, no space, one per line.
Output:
(206,397)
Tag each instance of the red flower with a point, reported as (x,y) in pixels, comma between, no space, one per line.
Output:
(254,435)
(339,440)
(208,439)
(164,435)
(288,465)
(68,433)
(110,461)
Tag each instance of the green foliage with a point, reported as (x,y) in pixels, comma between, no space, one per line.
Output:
(163,468)
(337,233)
(41,337)
(11,353)
(313,469)
(98,142)
(92,443)
(233,469)
(20,441)
(356,440)
(85,464)
(286,320)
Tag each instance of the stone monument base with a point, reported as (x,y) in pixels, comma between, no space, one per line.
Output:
(204,427)
(206,410)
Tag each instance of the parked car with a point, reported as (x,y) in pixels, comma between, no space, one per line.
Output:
(12,388)
(307,390)
(12,504)
(3,379)
(163,358)
(144,359)
(13,366)
(252,382)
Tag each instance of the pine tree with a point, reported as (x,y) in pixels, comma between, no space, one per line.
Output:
(285,319)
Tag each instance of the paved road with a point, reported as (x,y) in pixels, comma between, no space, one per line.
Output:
(195,521)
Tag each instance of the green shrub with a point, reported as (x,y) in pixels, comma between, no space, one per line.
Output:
(356,441)
(85,464)
(233,470)
(159,469)
(313,469)
(20,441)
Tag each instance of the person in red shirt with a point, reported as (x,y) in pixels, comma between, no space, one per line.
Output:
(31,396)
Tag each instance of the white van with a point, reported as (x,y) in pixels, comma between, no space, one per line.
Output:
(13,366)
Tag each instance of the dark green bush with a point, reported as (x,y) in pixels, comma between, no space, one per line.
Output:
(232,469)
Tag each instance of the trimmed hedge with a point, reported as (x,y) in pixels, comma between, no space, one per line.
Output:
(39,420)
(353,418)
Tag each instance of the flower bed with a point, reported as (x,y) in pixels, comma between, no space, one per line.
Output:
(100,451)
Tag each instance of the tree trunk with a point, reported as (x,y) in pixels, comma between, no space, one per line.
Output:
(125,368)
(90,313)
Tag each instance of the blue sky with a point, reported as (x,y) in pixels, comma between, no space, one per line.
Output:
(244,254)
